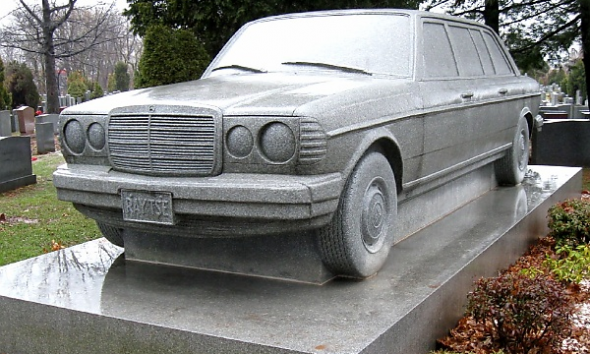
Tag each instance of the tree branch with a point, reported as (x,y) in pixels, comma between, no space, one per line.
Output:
(548,35)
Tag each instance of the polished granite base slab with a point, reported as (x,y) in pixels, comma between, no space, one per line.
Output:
(89,299)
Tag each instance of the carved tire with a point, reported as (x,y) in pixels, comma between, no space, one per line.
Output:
(111,233)
(510,169)
(357,241)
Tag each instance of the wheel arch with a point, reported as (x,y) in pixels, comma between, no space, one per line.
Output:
(386,143)
(528,115)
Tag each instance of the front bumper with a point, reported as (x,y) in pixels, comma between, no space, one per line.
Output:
(225,205)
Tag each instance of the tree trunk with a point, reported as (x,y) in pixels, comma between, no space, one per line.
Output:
(585,29)
(48,51)
(491,14)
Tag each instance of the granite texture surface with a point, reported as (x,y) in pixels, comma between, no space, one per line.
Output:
(562,142)
(89,298)
(293,128)
(16,169)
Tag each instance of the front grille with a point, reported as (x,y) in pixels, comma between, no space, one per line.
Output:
(162,144)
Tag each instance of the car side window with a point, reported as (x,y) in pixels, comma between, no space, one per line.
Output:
(439,61)
(468,60)
(484,53)
(498,57)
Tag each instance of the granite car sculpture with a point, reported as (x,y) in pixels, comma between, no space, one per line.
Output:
(316,121)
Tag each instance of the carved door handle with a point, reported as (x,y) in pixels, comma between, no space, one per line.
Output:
(503,91)
(466,95)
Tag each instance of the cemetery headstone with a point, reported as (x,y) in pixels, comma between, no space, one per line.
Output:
(26,120)
(562,143)
(50,118)
(14,121)
(45,137)
(15,159)
(554,98)
(5,124)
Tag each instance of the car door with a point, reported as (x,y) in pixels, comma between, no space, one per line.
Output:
(502,94)
(449,85)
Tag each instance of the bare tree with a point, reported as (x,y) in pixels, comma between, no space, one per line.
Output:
(38,30)
(99,61)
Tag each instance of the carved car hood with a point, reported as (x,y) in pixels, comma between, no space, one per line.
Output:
(283,94)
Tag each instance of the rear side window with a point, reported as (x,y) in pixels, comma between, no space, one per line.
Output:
(484,53)
(498,58)
(439,61)
(467,58)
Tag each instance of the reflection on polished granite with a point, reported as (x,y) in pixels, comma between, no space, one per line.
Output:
(89,299)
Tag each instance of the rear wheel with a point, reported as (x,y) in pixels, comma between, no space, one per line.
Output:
(357,241)
(111,233)
(510,169)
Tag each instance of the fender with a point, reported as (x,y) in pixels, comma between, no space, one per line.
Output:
(383,139)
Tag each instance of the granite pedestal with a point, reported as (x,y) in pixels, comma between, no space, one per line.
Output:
(90,299)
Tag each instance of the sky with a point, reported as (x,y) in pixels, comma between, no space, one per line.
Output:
(9,5)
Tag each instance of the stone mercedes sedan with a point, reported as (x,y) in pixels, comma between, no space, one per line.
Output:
(315,121)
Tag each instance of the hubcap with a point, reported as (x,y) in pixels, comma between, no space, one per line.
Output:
(374,215)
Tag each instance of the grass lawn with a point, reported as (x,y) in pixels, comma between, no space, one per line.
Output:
(32,220)
(586,179)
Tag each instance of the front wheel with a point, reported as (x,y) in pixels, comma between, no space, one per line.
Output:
(510,169)
(111,233)
(357,241)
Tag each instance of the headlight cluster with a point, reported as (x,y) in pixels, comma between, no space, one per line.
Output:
(275,141)
(78,133)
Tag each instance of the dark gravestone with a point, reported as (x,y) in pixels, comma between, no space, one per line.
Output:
(26,120)
(45,137)
(5,125)
(562,143)
(15,163)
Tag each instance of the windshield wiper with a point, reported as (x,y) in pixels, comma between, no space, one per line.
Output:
(328,66)
(240,67)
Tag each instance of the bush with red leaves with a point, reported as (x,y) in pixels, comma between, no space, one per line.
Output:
(522,313)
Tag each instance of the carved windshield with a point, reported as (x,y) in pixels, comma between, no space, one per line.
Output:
(362,44)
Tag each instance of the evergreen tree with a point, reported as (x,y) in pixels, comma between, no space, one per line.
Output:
(171,56)
(122,78)
(76,84)
(5,98)
(97,91)
(20,84)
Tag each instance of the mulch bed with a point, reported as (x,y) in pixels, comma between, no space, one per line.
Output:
(476,338)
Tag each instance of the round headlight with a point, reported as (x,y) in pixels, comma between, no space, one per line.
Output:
(239,141)
(74,136)
(277,142)
(96,136)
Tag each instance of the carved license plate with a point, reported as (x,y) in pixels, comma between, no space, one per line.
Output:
(149,207)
